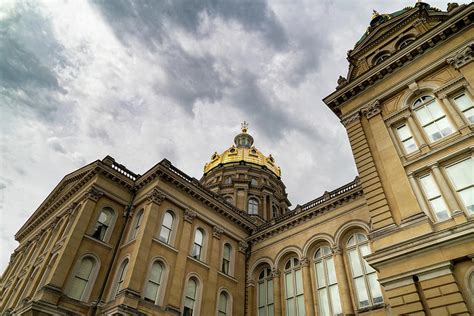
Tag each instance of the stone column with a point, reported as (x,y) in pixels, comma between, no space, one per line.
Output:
(445,189)
(177,276)
(276,291)
(251,301)
(416,132)
(307,287)
(342,282)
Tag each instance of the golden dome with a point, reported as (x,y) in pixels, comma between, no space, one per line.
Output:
(243,151)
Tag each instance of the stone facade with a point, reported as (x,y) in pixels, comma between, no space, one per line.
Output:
(398,240)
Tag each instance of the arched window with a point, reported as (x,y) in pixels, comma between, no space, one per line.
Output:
(328,294)
(167,227)
(404,42)
(294,288)
(198,243)
(229,199)
(432,118)
(224,306)
(82,278)
(103,223)
(190,297)
(226,255)
(379,59)
(253,206)
(364,277)
(136,225)
(228,180)
(253,182)
(121,277)
(152,287)
(275,211)
(265,293)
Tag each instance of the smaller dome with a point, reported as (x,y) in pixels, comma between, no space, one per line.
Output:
(243,151)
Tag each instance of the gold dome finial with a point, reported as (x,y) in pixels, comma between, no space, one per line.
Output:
(375,14)
(244,126)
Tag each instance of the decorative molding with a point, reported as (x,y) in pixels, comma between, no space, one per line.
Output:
(336,250)
(243,246)
(354,117)
(155,196)
(217,232)
(250,283)
(189,215)
(275,273)
(462,57)
(93,194)
(71,208)
(304,262)
(371,109)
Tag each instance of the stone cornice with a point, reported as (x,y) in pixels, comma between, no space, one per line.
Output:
(428,41)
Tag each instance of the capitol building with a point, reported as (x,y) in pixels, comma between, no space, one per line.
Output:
(397,240)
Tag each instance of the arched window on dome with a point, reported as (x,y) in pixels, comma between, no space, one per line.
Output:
(294,295)
(228,180)
(327,290)
(253,206)
(364,277)
(254,182)
(265,293)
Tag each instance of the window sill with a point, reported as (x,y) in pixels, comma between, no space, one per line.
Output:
(228,276)
(199,262)
(441,141)
(103,243)
(370,308)
(165,245)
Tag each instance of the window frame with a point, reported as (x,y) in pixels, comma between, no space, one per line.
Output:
(428,200)
(159,296)
(91,280)
(401,141)
(203,248)
(120,276)
(229,261)
(458,94)
(363,266)
(452,185)
(257,205)
(172,230)
(228,311)
(137,223)
(424,104)
(266,281)
(324,259)
(197,296)
(294,271)
(110,227)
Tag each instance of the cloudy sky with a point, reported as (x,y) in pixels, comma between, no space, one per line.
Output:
(147,80)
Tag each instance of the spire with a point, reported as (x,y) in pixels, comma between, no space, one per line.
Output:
(244,127)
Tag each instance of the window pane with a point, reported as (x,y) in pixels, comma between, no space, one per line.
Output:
(361,292)
(165,234)
(261,311)
(462,173)
(168,220)
(85,268)
(227,251)
(321,280)
(289,285)
(469,114)
(409,145)
(444,126)
(299,282)
(467,197)
(335,299)
(151,291)
(323,302)
(155,274)
(270,292)
(189,303)
(355,263)
(290,307)
(365,250)
(440,208)
(433,132)
(424,116)
(435,110)
(261,294)
(198,237)
(463,102)
(375,288)
(191,288)
(77,288)
(300,302)
(270,310)
(403,132)
(223,303)
(429,186)
(331,271)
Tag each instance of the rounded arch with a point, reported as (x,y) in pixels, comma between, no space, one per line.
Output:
(96,263)
(198,295)
(421,88)
(159,297)
(315,240)
(230,302)
(286,252)
(200,254)
(380,57)
(122,267)
(168,234)
(404,41)
(260,262)
(344,229)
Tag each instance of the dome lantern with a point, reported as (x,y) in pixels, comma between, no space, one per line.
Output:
(243,139)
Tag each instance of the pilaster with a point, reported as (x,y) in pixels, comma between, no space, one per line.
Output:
(276,277)
(307,287)
(342,282)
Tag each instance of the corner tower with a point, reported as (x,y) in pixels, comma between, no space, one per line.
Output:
(247,179)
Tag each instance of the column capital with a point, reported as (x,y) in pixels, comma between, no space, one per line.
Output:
(304,262)
(155,196)
(217,232)
(275,273)
(93,194)
(372,109)
(462,57)
(336,250)
(189,215)
(71,208)
(250,283)
(352,118)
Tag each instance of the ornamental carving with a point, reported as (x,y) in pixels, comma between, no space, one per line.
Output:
(155,196)
(217,232)
(71,208)
(275,273)
(462,57)
(243,246)
(337,250)
(189,215)
(304,262)
(350,119)
(372,109)
(94,194)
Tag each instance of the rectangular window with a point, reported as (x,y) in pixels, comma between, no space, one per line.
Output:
(406,138)
(466,106)
(461,175)
(434,120)
(434,197)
